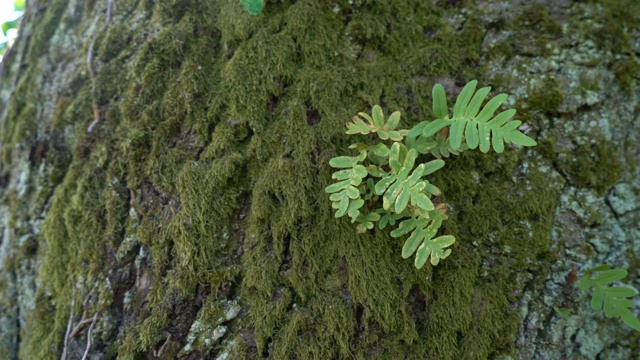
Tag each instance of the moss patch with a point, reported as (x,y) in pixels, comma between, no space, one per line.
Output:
(204,181)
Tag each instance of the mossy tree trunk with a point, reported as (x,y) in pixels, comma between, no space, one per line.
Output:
(163,165)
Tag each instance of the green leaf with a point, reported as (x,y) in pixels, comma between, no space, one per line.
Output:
(358,127)
(9,25)
(440,108)
(476,102)
(394,158)
(435,248)
(598,298)
(483,137)
(388,218)
(366,221)
(609,276)
(518,138)
(627,316)
(253,7)
(463,99)
(496,140)
(378,116)
(456,132)
(379,149)
(18,5)
(491,107)
(620,292)
(502,118)
(432,166)
(563,312)
(393,121)
(353,207)
(471,133)
(422,201)
(435,126)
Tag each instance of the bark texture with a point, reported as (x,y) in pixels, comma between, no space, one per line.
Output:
(163,164)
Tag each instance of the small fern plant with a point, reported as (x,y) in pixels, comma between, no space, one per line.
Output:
(614,300)
(392,171)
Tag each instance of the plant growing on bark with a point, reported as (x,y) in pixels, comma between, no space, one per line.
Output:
(390,171)
(614,300)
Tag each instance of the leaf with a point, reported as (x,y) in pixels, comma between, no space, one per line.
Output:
(432,166)
(518,138)
(253,7)
(347,161)
(393,121)
(440,108)
(463,99)
(388,218)
(353,209)
(435,248)
(435,126)
(366,221)
(379,149)
(627,316)
(598,298)
(18,5)
(456,132)
(472,135)
(345,195)
(563,312)
(491,107)
(422,230)
(607,277)
(476,102)
(473,128)
(620,292)
(358,127)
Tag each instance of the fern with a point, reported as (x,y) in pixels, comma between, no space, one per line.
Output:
(478,128)
(393,175)
(614,300)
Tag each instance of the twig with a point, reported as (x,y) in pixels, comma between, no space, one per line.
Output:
(93,323)
(79,327)
(66,335)
(163,348)
(92,75)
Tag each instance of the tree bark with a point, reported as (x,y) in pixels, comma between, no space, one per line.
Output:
(163,166)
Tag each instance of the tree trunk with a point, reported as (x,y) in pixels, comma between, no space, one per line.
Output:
(164,163)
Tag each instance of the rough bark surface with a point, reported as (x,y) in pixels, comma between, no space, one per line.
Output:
(163,164)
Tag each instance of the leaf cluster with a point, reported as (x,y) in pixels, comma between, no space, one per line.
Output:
(614,300)
(392,172)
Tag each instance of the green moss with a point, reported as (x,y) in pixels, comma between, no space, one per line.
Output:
(593,166)
(48,22)
(626,71)
(545,98)
(614,18)
(218,141)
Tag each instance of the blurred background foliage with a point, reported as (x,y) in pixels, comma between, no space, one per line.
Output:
(10,15)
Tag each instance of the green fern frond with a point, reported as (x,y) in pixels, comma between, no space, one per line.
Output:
(400,184)
(478,128)
(423,229)
(376,124)
(344,194)
(614,300)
